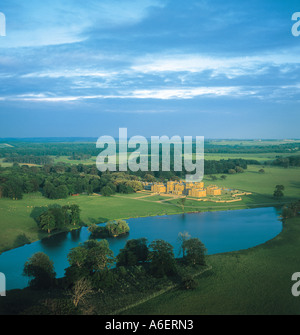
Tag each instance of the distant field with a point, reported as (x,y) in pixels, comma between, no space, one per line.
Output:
(4,164)
(65,159)
(252,142)
(5,145)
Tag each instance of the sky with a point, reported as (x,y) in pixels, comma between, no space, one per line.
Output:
(212,68)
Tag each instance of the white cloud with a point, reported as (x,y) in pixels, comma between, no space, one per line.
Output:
(161,94)
(231,67)
(35,23)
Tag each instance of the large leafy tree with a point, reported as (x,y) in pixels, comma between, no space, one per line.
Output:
(75,214)
(117,227)
(47,222)
(278,193)
(88,259)
(40,267)
(162,258)
(195,251)
(135,252)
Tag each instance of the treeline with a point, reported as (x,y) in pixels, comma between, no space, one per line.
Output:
(89,148)
(79,157)
(139,267)
(49,149)
(287,161)
(29,159)
(225,166)
(60,181)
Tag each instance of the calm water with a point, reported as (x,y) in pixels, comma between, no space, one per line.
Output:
(220,232)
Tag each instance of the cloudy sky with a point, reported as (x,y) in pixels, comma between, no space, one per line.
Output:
(213,68)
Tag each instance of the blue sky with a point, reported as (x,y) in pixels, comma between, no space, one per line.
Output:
(219,69)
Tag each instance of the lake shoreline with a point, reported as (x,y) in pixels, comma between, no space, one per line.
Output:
(214,209)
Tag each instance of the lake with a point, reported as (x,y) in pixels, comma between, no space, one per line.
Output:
(220,231)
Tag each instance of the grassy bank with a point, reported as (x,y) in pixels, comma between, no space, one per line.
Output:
(253,281)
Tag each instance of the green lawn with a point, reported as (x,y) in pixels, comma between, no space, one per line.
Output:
(253,281)
(65,159)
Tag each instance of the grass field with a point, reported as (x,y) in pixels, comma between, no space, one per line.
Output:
(253,281)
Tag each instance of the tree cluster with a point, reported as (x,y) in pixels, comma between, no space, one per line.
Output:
(111,229)
(291,210)
(56,217)
(287,161)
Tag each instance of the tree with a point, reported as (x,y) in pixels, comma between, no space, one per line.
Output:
(162,258)
(13,189)
(238,169)
(126,189)
(47,222)
(117,227)
(49,190)
(278,191)
(182,237)
(62,192)
(40,267)
(149,178)
(89,258)
(189,283)
(195,251)
(134,252)
(75,214)
(77,256)
(182,202)
(291,210)
(106,191)
(81,289)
